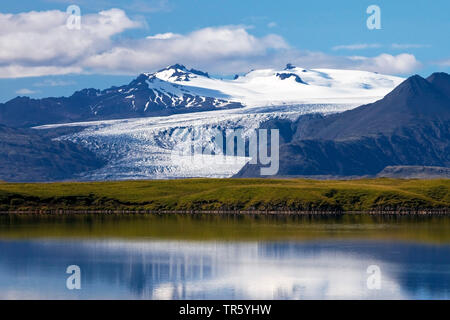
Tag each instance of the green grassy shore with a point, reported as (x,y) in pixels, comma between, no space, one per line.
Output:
(231,195)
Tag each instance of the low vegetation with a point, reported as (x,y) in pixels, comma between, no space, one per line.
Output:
(231,195)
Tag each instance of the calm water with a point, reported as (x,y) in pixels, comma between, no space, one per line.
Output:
(204,257)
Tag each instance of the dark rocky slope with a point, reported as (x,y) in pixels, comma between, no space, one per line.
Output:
(27,155)
(409,126)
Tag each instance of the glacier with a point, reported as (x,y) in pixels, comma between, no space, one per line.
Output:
(142,148)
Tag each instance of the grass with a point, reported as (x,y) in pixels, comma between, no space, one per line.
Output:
(231,195)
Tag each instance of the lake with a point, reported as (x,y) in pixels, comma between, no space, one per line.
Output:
(225,257)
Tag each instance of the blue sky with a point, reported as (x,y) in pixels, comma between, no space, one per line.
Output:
(38,57)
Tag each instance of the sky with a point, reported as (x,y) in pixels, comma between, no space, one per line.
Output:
(41,55)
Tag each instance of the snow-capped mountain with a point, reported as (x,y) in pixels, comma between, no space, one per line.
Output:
(141,148)
(147,95)
(292,85)
(152,91)
(176,89)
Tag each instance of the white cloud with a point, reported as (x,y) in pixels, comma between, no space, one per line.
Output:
(444,62)
(386,63)
(26,91)
(39,43)
(20,71)
(53,83)
(272,24)
(361,46)
(164,36)
(409,46)
(357,46)
(207,47)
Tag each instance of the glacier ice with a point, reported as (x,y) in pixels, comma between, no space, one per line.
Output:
(141,148)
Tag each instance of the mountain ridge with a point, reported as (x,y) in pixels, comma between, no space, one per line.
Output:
(177,89)
(409,126)
(403,105)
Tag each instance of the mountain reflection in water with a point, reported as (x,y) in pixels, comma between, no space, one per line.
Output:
(160,269)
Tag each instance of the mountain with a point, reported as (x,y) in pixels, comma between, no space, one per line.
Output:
(291,85)
(130,129)
(441,81)
(176,89)
(25,155)
(413,102)
(147,95)
(415,172)
(410,126)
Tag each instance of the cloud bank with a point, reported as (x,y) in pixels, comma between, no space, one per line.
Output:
(39,43)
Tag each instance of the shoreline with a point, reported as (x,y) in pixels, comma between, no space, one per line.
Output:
(62,212)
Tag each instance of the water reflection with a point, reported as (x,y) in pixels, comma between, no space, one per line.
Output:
(431,229)
(156,269)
